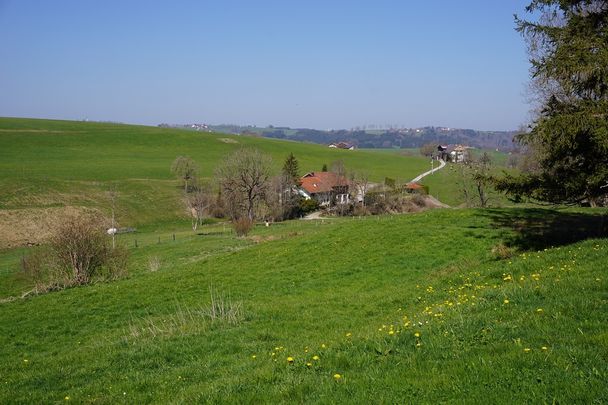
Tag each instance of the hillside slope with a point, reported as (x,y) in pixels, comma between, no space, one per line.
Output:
(412,308)
(51,166)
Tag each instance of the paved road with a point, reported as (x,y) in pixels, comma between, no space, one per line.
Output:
(441,165)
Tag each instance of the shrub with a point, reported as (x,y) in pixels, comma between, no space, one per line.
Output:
(40,266)
(308,206)
(242,226)
(79,252)
(419,200)
(84,250)
(360,211)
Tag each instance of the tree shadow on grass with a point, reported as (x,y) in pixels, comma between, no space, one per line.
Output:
(536,229)
(212,233)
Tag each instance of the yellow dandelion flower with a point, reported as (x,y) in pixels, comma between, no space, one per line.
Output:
(67,398)
(391,332)
(323,346)
(315,358)
(309,365)
(544,348)
(25,360)
(539,310)
(349,334)
(290,360)
(253,356)
(417,334)
(506,301)
(527,349)
(337,376)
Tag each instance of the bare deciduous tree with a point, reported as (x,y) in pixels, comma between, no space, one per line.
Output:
(244,178)
(186,169)
(475,180)
(198,203)
(360,183)
(282,197)
(428,149)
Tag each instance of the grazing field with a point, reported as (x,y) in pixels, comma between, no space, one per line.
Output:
(456,305)
(47,164)
(448,305)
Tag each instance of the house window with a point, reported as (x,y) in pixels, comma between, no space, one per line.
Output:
(342,198)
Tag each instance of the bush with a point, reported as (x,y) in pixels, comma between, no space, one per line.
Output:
(40,266)
(79,252)
(419,200)
(84,250)
(308,206)
(242,226)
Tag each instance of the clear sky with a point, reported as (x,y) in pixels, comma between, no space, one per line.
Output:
(319,64)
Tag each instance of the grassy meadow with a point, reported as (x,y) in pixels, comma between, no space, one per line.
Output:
(380,309)
(46,164)
(503,305)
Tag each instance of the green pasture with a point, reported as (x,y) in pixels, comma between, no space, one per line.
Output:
(86,151)
(46,163)
(403,308)
(501,305)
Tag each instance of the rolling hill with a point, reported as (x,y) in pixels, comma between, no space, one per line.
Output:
(455,305)
(46,166)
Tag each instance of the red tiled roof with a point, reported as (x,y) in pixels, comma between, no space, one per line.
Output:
(321,182)
(414,186)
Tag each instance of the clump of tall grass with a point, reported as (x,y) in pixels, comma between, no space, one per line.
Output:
(154,263)
(502,251)
(221,310)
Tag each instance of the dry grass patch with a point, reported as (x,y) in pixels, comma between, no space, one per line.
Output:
(33,226)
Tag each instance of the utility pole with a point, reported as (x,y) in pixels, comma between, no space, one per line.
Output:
(113,203)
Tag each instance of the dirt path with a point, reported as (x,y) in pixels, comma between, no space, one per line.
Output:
(314,215)
(441,166)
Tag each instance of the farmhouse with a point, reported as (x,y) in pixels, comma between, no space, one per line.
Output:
(459,153)
(415,188)
(342,145)
(326,188)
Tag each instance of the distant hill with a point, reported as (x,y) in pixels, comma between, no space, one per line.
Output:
(52,167)
(383,138)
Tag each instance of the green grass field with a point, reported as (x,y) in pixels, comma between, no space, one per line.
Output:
(404,308)
(45,163)
(501,305)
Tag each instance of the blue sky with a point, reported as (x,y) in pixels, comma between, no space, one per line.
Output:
(320,64)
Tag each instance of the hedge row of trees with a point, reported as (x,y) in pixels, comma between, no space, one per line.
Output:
(243,189)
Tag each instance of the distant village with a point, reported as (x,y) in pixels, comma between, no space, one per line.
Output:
(368,137)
